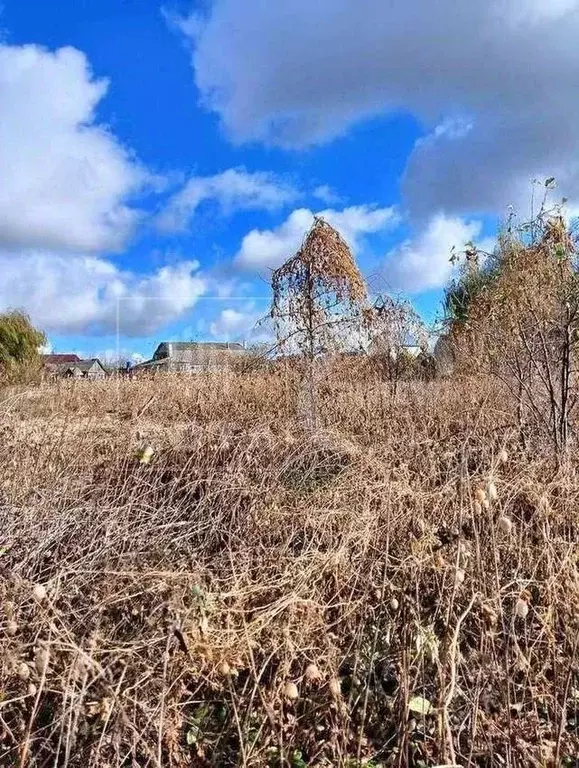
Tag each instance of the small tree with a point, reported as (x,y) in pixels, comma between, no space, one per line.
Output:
(395,327)
(20,342)
(319,299)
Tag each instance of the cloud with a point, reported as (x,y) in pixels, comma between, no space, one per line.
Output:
(267,249)
(492,81)
(327,195)
(234,189)
(66,180)
(80,294)
(424,263)
(233,324)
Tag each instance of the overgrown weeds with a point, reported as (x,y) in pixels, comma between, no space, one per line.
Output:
(260,594)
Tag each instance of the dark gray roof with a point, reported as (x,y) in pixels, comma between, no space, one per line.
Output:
(86,365)
(59,359)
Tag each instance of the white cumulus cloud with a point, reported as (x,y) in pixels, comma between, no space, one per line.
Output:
(239,324)
(233,189)
(81,294)
(268,248)
(66,182)
(423,263)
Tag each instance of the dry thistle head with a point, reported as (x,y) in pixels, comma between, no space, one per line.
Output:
(502,456)
(23,671)
(492,493)
(459,576)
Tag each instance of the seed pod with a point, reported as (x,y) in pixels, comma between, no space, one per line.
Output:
(477,506)
(486,504)
(23,671)
(521,608)
(147,455)
(544,505)
(335,687)
(32,689)
(41,658)
(290,691)
(480,495)
(224,669)
(502,456)
(459,576)
(312,673)
(492,491)
(39,593)
(505,524)
(11,628)
(394,604)
(490,614)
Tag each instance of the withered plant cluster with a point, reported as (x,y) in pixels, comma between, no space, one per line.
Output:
(190,578)
(518,320)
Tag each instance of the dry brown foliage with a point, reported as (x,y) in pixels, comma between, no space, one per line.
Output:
(318,294)
(166,614)
(522,325)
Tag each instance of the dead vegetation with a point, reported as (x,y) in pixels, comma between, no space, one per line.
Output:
(398,587)
(314,561)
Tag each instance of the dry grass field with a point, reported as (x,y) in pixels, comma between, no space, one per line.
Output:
(398,587)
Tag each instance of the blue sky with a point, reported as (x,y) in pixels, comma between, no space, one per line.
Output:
(164,158)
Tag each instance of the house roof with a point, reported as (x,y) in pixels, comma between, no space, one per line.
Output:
(186,345)
(63,366)
(197,353)
(58,359)
(86,365)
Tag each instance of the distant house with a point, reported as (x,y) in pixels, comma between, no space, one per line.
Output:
(72,367)
(89,369)
(191,357)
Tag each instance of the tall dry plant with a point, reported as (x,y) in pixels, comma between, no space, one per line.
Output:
(521,324)
(319,300)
